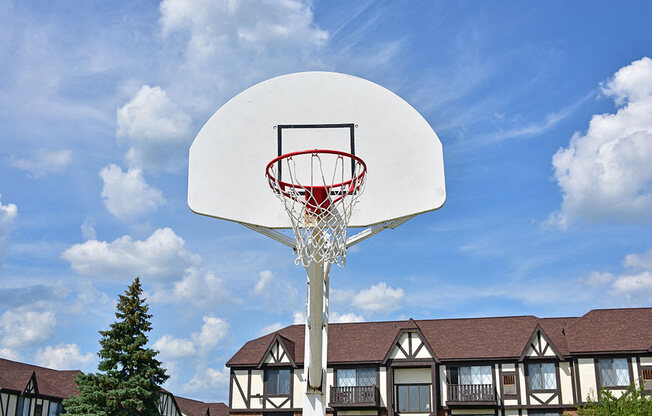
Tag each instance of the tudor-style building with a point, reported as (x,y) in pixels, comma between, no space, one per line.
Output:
(29,390)
(521,365)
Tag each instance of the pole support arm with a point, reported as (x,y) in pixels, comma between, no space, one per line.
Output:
(371,231)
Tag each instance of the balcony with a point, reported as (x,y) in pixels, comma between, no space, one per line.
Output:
(463,394)
(356,397)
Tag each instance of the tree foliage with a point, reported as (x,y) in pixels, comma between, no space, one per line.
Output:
(632,402)
(130,377)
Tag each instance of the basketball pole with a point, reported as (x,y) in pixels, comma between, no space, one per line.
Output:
(316,338)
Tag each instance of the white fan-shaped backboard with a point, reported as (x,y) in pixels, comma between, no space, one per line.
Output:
(315,110)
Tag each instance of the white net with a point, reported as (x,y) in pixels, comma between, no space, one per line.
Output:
(319,189)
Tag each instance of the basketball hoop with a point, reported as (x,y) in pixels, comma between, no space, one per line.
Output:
(319,194)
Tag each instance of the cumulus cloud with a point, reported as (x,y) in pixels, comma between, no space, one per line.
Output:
(43,162)
(299,317)
(63,357)
(174,350)
(9,354)
(156,129)
(606,174)
(270,328)
(344,317)
(22,327)
(634,284)
(162,256)
(378,298)
(207,378)
(639,260)
(199,287)
(278,294)
(88,230)
(126,194)
(171,348)
(253,41)
(212,332)
(8,214)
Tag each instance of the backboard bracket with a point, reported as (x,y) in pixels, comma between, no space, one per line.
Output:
(373,230)
(273,234)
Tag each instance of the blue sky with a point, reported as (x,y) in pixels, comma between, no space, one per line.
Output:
(544,110)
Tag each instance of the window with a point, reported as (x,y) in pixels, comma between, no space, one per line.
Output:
(509,384)
(542,376)
(471,375)
(614,372)
(278,381)
(55,409)
(22,409)
(413,398)
(38,410)
(351,377)
(647,378)
(544,414)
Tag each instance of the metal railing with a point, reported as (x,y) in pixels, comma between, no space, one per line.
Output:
(471,393)
(357,395)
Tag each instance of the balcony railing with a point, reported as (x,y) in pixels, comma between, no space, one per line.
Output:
(358,396)
(469,393)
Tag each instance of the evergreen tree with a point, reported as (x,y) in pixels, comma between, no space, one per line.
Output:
(130,377)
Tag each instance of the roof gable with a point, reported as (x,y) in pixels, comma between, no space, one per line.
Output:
(279,352)
(539,345)
(410,344)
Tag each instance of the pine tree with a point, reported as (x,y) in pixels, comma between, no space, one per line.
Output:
(130,377)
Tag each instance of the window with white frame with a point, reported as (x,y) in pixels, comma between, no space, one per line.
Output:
(542,376)
(480,374)
(614,372)
(352,377)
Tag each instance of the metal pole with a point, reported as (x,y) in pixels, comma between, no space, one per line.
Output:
(316,336)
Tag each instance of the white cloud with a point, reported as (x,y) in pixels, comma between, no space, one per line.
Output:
(633,285)
(641,261)
(379,298)
(606,173)
(63,357)
(299,317)
(8,214)
(171,348)
(343,318)
(44,162)
(270,328)
(126,194)
(88,230)
(207,378)
(173,351)
(247,25)
(9,354)
(213,330)
(277,294)
(21,327)
(162,256)
(199,287)
(157,130)
(253,41)
(597,279)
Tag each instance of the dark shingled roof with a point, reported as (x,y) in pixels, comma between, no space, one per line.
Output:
(472,338)
(198,408)
(54,383)
(606,330)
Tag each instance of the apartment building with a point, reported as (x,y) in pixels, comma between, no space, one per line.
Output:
(519,365)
